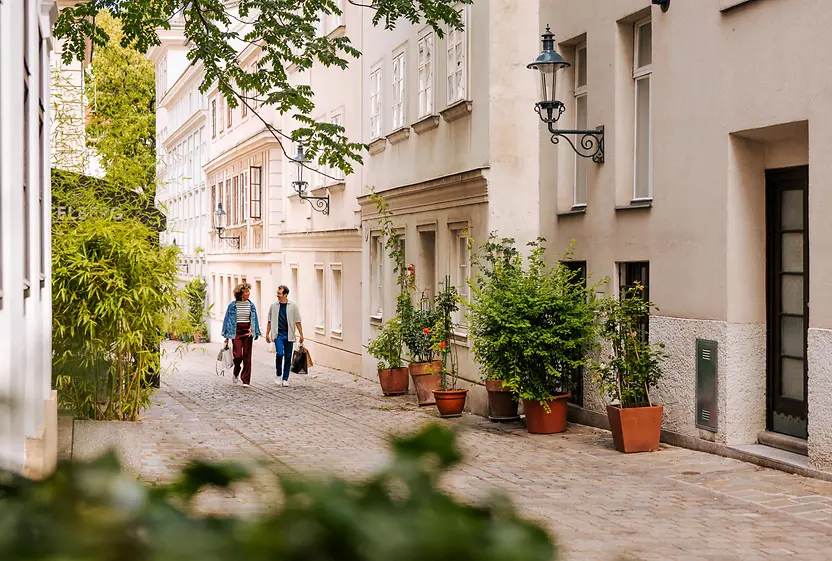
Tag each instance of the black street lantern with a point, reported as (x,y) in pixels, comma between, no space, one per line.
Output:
(232,241)
(320,204)
(590,142)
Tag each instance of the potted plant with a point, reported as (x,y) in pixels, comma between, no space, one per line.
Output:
(417,332)
(196,292)
(387,349)
(416,324)
(450,401)
(532,324)
(632,368)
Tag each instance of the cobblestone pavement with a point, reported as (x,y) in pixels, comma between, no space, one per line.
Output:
(671,505)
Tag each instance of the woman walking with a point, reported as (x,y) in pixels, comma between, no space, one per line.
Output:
(241,325)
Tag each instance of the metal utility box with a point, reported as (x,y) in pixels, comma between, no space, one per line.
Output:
(706,385)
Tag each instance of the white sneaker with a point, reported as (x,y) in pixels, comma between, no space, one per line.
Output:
(278,382)
(246,385)
(285,383)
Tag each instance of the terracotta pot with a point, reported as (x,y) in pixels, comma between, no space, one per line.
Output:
(636,429)
(538,421)
(450,402)
(426,378)
(501,403)
(197,338)
(394,381)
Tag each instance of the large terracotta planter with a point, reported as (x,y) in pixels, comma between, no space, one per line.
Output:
(636,429)
(539,421)
(501,403)
(450,403)
(394,381)
(425,379)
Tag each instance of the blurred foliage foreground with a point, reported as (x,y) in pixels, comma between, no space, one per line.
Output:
(95,512)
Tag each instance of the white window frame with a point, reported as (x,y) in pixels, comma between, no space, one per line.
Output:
(338,19)
(376,276)
(642,73)
(375,101)
(295,280)
(454,66)
(398,82)
(460,274)
(336,309)
(581,92)
(426,63)
(320,298)
(337,118)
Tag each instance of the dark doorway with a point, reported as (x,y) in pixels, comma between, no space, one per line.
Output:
(575,385)
(787,264)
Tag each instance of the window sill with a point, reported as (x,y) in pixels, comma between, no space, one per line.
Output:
(637,205)
(329,189)
(338,32)
(399,135)
(336,334)
(376,319)
(377,146)
(460,338)
(578,209)
(457,110)
(426,124)
(320,330)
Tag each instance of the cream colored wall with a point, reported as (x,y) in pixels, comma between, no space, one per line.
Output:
(452,147)
(714,73)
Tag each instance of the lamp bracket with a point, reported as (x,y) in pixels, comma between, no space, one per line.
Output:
(587,143)
(231,241)
(319,204)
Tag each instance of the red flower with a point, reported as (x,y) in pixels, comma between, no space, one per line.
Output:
(442,345)
(426,330)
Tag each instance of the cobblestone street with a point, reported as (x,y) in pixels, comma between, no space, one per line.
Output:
(672,505)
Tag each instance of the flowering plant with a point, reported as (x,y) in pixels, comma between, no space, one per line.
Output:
(447,302)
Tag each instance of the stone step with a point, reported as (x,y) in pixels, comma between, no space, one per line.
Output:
(784,442)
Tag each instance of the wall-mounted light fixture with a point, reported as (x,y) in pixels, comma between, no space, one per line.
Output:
(587,143)
(665,4)
(231,241)
(320,204)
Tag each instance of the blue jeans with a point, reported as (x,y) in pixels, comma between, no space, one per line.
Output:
(283,359)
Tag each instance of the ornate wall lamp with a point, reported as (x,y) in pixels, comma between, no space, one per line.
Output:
(231,241)
(587,143)
(320,204)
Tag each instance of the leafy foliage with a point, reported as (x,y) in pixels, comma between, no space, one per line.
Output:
(531,324)
(284,30)
(634,365)
(447,302)
(121,128)
(196,292)
(113,288)
(94,512)
(387,346)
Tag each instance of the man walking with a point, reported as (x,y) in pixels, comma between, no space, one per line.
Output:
(285,317)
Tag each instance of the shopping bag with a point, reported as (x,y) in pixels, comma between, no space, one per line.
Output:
(299,365)
(308,358)
(225,360)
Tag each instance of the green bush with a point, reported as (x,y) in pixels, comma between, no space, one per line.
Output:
(93,512)
(532,324)
(633,365)
(113,290)
(196,293)
(386,348)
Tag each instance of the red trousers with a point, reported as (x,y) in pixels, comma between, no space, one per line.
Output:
(242,352)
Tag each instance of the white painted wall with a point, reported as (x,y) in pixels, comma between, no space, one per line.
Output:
(28,433)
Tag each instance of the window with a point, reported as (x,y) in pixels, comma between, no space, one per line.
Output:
(258,292)
(375,103)
(235,193)
(213,118)
(230,111)
(398,91)
(295,287)
(461,272)
(228,202)
(256,190)
(26,154)
(642,68)
(630,275)
(426,272)
(244,100)
(457,53)
(575,383)
(246,195)
(376,276)
(337,119)
(426,75)
(221,118)
(320,301)
(336,307)
(43,62)
(580,195)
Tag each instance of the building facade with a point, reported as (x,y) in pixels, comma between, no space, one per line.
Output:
(711,195)
(28,420)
